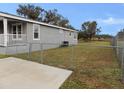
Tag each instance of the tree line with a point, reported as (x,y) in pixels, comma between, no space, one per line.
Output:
(88,29)
(33,12)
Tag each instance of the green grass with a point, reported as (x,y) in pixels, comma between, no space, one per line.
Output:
(92,67)
(3,56)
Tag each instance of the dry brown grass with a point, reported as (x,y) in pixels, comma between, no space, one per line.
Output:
(93,67)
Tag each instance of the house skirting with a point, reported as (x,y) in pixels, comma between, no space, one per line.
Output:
(25,48)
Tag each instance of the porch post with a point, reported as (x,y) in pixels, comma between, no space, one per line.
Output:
(5,31)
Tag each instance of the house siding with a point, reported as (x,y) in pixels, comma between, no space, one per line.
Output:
(52,37)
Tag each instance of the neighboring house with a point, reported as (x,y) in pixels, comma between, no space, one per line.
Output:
(18,32)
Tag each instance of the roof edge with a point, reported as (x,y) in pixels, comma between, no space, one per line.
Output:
(7,15)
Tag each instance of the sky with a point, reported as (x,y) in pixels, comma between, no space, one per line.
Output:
(110,17)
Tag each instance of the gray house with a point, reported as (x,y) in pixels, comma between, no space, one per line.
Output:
(18,32)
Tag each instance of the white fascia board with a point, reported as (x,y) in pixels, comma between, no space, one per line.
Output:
(32,21)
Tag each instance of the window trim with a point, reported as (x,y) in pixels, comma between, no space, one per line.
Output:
(38,32)
(16,24)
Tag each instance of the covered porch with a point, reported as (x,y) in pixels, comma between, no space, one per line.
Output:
(12,31)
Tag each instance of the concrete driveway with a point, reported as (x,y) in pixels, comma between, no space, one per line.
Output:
(22,74)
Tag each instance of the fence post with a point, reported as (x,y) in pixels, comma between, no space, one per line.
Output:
(29,52)
(41,57)
(72,56)
(122,65)
(6,49)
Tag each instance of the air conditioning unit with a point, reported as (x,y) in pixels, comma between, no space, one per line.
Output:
(65,43)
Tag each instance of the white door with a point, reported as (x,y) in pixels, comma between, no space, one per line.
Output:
(17,31)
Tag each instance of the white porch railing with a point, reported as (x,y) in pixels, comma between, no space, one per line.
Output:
(1,40)
(13,39)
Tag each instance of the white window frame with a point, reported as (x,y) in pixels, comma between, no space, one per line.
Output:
(16,24)
(38,32)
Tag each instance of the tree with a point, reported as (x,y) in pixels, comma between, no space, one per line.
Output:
(63,22)
(30,11)
(104,36)
(71,27)
(48,16)
(89,29)
(51,16)
(83,35)
(54,18)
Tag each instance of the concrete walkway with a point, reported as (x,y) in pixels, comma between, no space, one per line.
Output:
(22,74)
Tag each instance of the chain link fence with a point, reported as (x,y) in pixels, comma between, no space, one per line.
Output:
(46,53)
(87,59)
(118,42)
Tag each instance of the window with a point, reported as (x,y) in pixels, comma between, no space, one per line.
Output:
(70,33)
(17,31)
(36,32)
(14,32)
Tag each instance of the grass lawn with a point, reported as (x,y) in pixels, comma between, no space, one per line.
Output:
(92,67)
(3,56)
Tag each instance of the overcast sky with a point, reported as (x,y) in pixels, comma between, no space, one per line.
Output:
(110,17)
